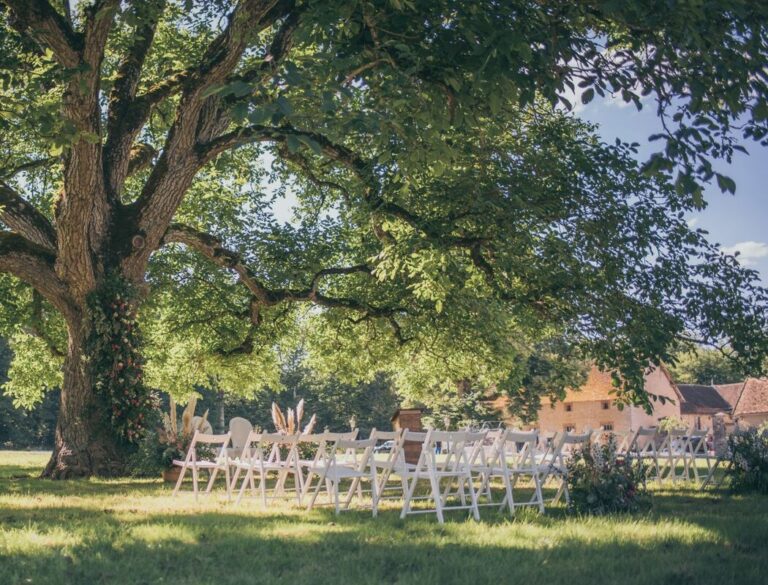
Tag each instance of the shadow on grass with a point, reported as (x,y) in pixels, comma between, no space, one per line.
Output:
(226,548)
(688,538)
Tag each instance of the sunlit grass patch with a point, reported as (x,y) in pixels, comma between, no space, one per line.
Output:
(127,531)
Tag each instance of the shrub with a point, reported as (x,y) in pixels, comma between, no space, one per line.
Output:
(748,455)
(672,423)
(601,481)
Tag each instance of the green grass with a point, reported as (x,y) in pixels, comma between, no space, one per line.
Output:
(132,532)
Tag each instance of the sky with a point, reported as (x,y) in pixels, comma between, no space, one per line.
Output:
(737,222)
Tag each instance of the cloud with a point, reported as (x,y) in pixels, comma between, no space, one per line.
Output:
(693,222)
(749,252)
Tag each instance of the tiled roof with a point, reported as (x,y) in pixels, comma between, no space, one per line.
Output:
(598,386)
(754,397)
(699,399)
(730,392)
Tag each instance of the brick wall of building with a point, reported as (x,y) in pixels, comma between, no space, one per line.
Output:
(594,408)
(583,415)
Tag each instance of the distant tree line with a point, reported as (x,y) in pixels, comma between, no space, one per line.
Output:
(706,366)
(20,428)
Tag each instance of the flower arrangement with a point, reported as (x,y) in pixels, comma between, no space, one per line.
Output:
(600,481)
(170,441)
(176,439)
(290,422)
(748,455)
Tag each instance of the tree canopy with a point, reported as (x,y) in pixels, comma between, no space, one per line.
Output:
(449,215)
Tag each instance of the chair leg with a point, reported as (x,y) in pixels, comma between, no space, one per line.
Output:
(561,488)
(508,498)
(246,480)
(539,495)
(316,493)
(211,479)
(411,487)
(435,486)
(235,476)
(473,498)
(194,480)
(181,478)
(374,495)
(355,487)
(334,485)
(307,483)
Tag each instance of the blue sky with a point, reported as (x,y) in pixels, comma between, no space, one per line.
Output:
(737,222)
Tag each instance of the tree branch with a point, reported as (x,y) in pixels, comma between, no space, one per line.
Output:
(279,48)
(35,325)
(179,162)
(334,151)
(6,174)
(22,218)
(211,247)
(35,265)
(99,19)
(126,118)
(48,28)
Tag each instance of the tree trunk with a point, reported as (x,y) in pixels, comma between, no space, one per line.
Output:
(84,444)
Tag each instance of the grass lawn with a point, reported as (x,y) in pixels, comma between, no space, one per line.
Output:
(132,532)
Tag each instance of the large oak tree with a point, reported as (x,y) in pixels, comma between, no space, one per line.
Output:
(451,220)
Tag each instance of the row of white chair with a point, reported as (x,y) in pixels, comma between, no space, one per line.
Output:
(458,467)
(666,452)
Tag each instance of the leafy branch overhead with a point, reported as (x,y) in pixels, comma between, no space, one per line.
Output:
(389,186)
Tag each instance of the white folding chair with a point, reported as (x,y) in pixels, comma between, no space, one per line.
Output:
(399,467)
(547,442)
(643,446)
(265,453)
(239,428)
(340,460)
(385,462)
(556,467)
(219,461)
(516,458)
(697,450)
(453,465)
(674,450)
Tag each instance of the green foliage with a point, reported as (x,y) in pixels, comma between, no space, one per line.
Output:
(22,428)
(334,402)
(549,370)
(33,371)
(601,481)
(151,457)
(706,366)
(466,404)
(493,227)
(116,360)
(672,423)
(748,455)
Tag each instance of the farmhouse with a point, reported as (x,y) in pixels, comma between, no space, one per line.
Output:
(593,405)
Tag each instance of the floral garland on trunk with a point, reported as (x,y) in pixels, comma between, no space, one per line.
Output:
(116,359)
